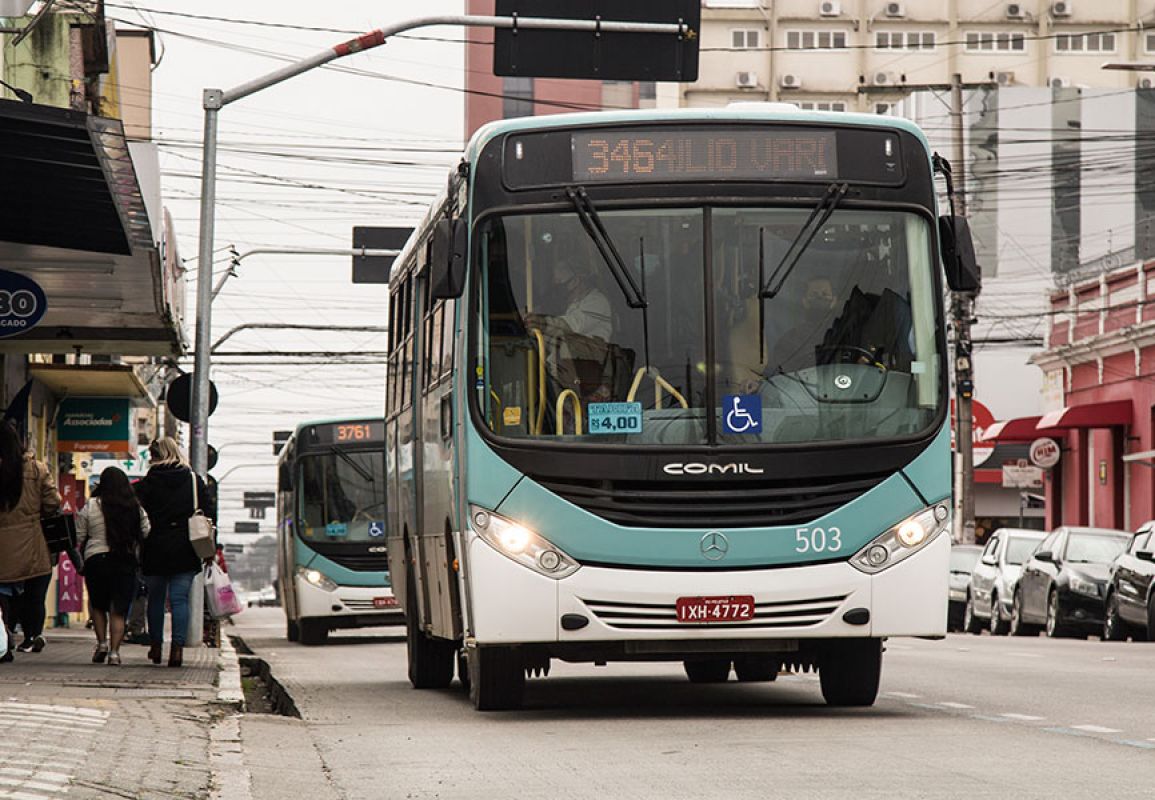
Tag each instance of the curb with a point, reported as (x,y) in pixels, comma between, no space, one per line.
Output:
(229,691)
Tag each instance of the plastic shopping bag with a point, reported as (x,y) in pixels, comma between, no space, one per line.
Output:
(222,600)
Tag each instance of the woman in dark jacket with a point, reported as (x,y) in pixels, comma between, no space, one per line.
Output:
(168,562)
(27,492)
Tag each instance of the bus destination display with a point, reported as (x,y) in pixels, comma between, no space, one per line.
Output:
(350,433)
(665,154)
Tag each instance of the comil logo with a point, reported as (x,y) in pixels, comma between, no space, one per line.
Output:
(697,468)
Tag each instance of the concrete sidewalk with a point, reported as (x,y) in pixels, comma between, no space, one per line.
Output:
(72,728)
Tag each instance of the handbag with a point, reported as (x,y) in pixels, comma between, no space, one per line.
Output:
(222,599)
(59,532)
(201,534)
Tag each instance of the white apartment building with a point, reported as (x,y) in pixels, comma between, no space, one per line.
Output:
(865,55)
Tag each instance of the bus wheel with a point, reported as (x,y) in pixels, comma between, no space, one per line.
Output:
(712,670)
(496,678)
(430,659)
(752,669)
(849,671)
(313,632)
(292,631)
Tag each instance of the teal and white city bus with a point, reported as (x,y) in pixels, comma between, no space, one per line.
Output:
(671,386)
(332,568)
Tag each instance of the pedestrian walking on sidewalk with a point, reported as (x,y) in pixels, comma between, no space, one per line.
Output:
(27,493)
(169,563)
(111,529)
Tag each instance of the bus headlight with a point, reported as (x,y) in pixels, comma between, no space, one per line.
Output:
(522,545)
(902,540)
(315,577)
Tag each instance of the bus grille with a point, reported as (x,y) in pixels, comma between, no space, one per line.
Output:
(662,616)
(360,562)
(710,504)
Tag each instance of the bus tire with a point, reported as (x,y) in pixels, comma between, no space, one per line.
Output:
(710,670)
(496,678)
(313,632)
(430,659)
(292,630)
(849,671)
(756,669)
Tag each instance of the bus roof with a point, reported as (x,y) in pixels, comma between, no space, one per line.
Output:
(738,112)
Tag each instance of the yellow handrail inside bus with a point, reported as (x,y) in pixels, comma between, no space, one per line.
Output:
(659,384)
(496,422)
(535,427)
(569,394)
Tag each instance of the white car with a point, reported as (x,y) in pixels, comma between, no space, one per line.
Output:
(991,592)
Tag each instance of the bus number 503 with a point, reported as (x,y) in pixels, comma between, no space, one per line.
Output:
(817,540)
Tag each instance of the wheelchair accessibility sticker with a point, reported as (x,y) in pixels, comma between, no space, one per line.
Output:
(376,529)
(742,413)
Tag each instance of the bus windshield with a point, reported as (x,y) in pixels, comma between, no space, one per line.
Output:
(569,351)
(342,497)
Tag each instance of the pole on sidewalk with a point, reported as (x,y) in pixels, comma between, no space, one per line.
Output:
(962,311)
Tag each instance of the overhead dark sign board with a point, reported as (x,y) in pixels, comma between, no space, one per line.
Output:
(375,269)
(535,53)
(246,527)
(260,499)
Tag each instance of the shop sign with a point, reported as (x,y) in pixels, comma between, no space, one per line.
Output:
(22,303)
(94,425)
(1022,476)
(1044,453)
(981,419)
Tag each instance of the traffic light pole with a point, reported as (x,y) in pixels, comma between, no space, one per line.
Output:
(216,99)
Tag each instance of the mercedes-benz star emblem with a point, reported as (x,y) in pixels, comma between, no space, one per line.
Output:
(714,545)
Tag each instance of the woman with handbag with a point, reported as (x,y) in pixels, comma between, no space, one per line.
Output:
(27,493)
(111,528)
(170,494)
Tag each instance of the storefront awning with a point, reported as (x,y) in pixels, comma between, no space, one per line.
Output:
(1020,429)
(90,380)
(73,220)
(1087,415)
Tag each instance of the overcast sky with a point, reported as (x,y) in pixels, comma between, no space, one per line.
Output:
(300,165)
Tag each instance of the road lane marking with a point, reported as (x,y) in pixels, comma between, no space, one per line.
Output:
(905,695)
(1023,717)
(1147,745)
(1025,655)
(955,705)
(1095,729)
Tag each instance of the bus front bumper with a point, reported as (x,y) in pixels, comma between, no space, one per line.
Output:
(348,606)
(512,604)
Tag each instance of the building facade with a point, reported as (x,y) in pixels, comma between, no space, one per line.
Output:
(865,55)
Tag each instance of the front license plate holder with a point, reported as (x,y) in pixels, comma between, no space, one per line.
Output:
(384,602)
(718,608)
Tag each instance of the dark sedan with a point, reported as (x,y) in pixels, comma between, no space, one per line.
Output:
(1063,585)
(1131,590)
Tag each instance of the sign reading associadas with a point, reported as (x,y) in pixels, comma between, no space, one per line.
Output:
(93,425)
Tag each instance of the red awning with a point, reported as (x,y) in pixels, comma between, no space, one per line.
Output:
(1089,415)
(1021,429)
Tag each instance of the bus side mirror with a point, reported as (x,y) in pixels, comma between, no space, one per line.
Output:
(284,478)
(447,258)
(958,255)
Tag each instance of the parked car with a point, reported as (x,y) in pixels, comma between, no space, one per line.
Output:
(1063,585)
(963,558)
(1131,590)
(993,582)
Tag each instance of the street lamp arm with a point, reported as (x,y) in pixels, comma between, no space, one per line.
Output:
(237,258)
(231,470)
(285,326)
(378,37)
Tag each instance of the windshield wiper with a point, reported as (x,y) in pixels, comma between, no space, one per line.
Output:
(592,222)
(364,473)
(810,228)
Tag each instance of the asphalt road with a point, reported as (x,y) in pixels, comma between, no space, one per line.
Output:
(968,717)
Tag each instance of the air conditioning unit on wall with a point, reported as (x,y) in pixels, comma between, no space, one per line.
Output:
(790,82)
(829,8)
(746,80)
(1061,8)
(1146,83)
(1015,11)
(1003,78)
(895,10)
(1056,82)
(883,79)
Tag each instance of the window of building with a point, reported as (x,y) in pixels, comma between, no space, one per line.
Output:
(992,40)
(744,39)
(1085,43)
(816,40)
(883,108)
(647,90)
(517,100)
(904,40)
(822,105)
(1149,43)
